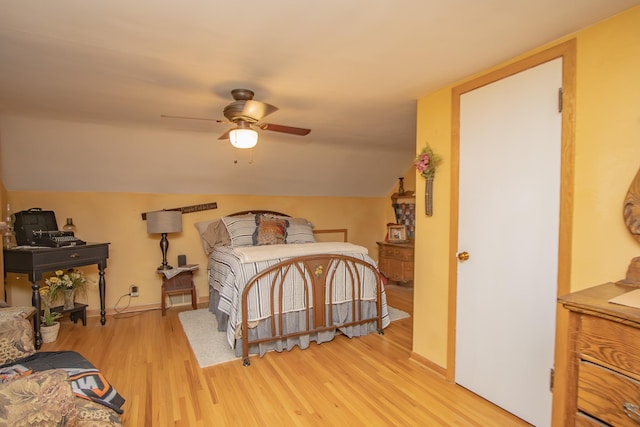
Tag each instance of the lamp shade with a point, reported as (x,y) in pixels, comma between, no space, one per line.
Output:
(243,137)
(164,222)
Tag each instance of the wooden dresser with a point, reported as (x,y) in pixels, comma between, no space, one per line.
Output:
(395,261)
(603,363)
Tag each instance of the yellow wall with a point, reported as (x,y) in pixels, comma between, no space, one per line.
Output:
(135,255)
(607,156)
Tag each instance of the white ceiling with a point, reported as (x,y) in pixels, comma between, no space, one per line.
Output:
(349,70)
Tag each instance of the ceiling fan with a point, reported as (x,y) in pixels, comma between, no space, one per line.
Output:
(245,113)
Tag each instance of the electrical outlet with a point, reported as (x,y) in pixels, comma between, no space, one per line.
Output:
(134,291)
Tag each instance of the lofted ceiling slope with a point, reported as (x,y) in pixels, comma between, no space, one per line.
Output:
(92,79)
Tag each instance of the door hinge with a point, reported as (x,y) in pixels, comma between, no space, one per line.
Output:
(560,100)
(551,378)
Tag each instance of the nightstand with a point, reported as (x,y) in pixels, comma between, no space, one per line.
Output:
(179,284)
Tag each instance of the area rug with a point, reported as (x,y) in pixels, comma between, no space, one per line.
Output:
(210,346)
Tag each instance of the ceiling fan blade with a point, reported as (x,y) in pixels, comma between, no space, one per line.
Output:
(225,135)
(284,129)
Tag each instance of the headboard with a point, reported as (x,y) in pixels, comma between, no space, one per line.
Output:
(258,212)
(343,232)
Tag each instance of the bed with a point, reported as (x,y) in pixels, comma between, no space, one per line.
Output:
(266,272)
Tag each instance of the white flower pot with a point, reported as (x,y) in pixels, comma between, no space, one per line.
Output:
(49,333)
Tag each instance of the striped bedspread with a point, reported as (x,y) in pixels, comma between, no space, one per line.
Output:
(228,275)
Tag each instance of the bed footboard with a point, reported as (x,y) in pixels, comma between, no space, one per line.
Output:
(313,279)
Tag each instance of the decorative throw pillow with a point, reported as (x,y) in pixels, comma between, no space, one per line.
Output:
(300,230)
(16,334)
(212,233)
(270,231)
(241,229)
(42,398)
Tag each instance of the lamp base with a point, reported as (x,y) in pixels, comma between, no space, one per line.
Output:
(164,245)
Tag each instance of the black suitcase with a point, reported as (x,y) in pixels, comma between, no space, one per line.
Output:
(34,219)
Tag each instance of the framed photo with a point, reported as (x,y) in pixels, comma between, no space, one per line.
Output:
(397,233)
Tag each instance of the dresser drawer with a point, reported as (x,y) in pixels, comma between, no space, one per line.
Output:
(602,394)
(384,264)
(583,420)
(391,252)
(615,344)
(402,254)
(407,270)
(395,272)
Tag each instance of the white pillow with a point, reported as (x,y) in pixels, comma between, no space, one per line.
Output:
(241,229)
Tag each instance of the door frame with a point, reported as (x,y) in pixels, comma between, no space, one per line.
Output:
(566,51)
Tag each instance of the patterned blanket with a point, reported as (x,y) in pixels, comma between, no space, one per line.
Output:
(86,380)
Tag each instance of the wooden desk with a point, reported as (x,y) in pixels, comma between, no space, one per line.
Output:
(35,261)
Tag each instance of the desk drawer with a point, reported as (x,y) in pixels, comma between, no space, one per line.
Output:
(76,254)
(602,394)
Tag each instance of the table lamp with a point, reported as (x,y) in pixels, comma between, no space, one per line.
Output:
(164,222)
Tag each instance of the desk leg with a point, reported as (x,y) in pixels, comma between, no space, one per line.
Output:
(35,301)
(101,288)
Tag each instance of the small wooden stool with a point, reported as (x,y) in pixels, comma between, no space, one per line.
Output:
(179,284)
(79,311)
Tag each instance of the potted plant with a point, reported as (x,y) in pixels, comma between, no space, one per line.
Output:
(50,326)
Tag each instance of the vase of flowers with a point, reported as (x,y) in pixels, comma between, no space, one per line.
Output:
(426,164)
(68,283)
(69,302)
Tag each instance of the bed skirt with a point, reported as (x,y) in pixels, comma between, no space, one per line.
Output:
(296,321)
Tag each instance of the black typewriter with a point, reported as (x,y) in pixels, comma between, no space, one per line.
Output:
(35,227)
(56,238)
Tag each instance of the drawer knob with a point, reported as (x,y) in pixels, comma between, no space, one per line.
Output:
(74,255)
(463,256)
(632,411)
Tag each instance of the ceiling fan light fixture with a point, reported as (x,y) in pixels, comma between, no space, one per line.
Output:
(243,138)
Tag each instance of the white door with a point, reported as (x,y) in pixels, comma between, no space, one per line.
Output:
(509,207)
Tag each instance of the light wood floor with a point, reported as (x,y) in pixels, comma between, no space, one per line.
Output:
(362,381)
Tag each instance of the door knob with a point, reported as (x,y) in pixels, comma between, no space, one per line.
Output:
(463,256)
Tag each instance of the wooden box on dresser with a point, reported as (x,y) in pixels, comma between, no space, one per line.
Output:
(395,261)
(603,366)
